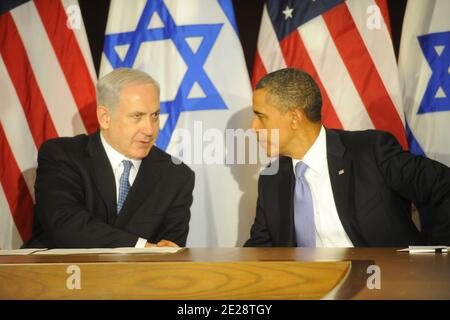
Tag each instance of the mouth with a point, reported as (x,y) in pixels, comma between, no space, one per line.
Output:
(144,143)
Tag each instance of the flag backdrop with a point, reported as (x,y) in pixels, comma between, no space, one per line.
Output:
(47,85)
(424,64)
(46,90)
(347,48)
(192,49)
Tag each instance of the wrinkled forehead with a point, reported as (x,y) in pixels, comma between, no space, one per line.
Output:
(139,88)
(142,96)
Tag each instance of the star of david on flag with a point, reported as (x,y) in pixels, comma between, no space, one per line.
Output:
(424,68)
(194,55)
(436,50)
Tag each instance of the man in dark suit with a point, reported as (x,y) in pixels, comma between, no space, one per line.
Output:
(336,188)
(113,188)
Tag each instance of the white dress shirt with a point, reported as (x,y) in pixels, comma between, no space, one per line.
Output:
(116,158)
(329,229)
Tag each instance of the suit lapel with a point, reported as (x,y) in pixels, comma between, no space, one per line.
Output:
(342,184)
(102,174)
(145,183)
(285,201)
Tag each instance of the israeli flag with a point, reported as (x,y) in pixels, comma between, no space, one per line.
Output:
(424,66)
(192,49)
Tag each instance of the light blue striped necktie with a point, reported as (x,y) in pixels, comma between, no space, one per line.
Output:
(124,184)
(305,227)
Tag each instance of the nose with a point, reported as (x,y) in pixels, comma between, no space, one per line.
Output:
(149,126)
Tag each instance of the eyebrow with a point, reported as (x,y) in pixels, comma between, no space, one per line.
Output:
(143,113)
(140,113)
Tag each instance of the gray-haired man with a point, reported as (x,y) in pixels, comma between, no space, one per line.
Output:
(113,188)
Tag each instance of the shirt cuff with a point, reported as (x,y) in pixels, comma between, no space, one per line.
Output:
(141,243)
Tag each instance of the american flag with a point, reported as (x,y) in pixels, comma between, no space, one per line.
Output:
(347,48)
(46,90)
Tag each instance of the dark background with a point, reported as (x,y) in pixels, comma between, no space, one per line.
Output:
(248,15)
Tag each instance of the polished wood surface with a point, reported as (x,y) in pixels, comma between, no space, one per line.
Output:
(402,276)
(175,280)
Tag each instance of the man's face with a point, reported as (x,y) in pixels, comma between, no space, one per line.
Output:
(272,126)
(132,128)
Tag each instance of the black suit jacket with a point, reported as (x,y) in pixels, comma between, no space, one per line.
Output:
(373,196)
(76,198)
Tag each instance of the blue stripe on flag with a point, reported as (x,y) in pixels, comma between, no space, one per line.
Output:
(227,7)
(414,146)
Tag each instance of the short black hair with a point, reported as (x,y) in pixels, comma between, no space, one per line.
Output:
(292,88)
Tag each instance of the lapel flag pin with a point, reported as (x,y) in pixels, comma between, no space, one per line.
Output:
(341,172)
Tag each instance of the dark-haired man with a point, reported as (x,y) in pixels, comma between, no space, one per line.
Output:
(338,188)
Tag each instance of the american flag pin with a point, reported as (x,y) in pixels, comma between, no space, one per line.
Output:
(341,172)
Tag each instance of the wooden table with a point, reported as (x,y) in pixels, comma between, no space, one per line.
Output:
(230,273)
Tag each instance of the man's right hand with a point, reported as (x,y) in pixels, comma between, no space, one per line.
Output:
(162,243)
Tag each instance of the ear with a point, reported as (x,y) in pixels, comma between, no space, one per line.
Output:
(296,118)
(103,117)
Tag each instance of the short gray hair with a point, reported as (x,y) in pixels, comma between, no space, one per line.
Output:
(291,88)
(110,85)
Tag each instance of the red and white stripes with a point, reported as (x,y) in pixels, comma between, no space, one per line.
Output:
(47,90)
(353,64)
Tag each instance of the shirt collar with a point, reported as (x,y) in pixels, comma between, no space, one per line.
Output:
(316,156)
(115,157)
